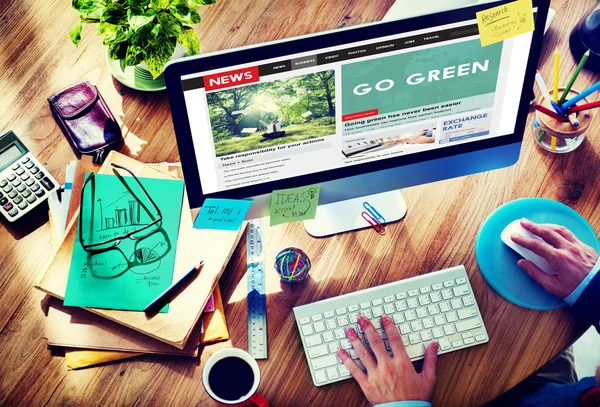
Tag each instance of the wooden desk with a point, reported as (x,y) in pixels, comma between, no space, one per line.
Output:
(439,230)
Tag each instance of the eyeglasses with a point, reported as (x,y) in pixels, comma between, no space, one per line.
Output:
(120,218)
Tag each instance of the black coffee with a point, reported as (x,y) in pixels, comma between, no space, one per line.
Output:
(231,378)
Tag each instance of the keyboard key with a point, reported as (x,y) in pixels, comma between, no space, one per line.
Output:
(7,188)
(303,321)
(405,341)
(410,315)
(461,290)
(26,193)
(352,353)
(46,183)
(328,336)
(401,296)
(38,175)
(398,318)
(461,280)
(377,301)
(445,306)
(3,201)
(456,303)
(30,182)
(13,212)
(435,297)
(468,300)
(467,313)
(320,376)
(367,313)
(25,160)
(317,317)
(319,326)
(449,329)
(439,320)
(415,351)
(330,324)
(456,344)
(307,330)
(8,206)
(468,325)
(334,346)
(345,344)
(424,290)
(467,335)
(416,326)
(437,286)
(388,298)
(31,199)
(389,308)
(40,193)
(446,294)
(400,305)
(29,165)
(25,176)
(317,351)
(13,193)
(377,312)
(16,166)
(353,318)
(19,171)
(18,199)
(404,329)
(480,338)
(342,321)
(332,373)
(424,300)
(313,340)
(448,283)
(414,338)
(343,371)
(12,177)
(21,187)
(444,344)
(365,305)
(352,308)
(22,205)
(433,309)
(426,336)
(412,293)
(341,311)
(329,314)
(469,341)
(437,333)
(451,316)
(3,183)
(339,334)
(412,303)
(428,323)
(422,313)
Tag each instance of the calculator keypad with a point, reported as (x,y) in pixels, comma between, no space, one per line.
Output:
(22,186)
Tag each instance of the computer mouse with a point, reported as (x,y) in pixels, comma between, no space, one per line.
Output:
(515,228)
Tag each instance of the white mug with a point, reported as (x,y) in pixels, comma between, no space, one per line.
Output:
(252,398)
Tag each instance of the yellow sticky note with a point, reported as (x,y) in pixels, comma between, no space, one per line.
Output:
(503,22)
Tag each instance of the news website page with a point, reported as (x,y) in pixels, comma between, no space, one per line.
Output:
(362,102)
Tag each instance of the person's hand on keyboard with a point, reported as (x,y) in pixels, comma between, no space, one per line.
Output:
(389,378)
(571,259)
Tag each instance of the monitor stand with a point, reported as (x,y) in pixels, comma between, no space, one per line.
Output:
(345,216)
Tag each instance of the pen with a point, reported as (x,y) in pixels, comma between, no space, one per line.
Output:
(170,293)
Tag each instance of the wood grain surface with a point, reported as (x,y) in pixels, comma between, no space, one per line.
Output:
(439,230)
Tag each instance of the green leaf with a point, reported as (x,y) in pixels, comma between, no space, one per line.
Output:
(75,33)
(159,4)
(117,51)
(155,30)
(171,27)
(189,41)
(158,54)
(138,3)
(118,36)
(135,55)
(92,9)
(106,29)
(76,4)
(122,64)
(198,3)
(184,13)
(114,13)
(138,21)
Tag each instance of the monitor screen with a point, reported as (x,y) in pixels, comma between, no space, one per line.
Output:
(349,102)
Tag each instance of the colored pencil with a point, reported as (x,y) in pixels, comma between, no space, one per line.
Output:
(545,110)
(586,106)
(541,136)
(546,93)
(573,101)
(553,143)
(556,65)
(575,75)
(573,119)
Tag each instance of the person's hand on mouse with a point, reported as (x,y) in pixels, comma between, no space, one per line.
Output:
(389,378)
(571,259)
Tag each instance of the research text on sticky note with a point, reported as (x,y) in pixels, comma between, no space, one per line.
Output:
(222,214)
(503,22)
(294,204)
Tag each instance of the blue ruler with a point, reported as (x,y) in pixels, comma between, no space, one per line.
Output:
(257,300)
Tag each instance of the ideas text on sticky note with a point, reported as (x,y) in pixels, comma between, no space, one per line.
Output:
(294,204)
(503,22)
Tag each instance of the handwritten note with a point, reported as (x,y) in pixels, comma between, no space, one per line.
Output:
(506,21)
(294,204)
(222,214)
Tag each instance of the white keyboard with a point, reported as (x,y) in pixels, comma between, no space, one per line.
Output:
(436,306)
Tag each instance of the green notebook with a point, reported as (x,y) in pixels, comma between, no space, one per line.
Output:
(131,252)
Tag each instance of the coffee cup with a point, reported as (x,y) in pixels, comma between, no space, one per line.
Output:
(231,377)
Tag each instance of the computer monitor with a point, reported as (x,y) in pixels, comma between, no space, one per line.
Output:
(363,111)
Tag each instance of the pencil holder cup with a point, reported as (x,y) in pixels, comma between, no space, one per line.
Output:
(560,137)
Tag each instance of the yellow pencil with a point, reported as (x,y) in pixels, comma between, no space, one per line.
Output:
(553,143)
(556,63)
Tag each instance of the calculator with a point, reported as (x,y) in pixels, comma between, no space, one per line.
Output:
(24,183)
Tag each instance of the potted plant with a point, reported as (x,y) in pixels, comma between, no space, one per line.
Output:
(138,31)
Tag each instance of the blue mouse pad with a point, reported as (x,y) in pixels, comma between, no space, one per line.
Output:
(498,262)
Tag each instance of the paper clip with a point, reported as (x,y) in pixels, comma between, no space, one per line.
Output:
(374,212)
(379,228)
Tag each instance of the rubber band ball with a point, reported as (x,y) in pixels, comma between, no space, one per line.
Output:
(292,264)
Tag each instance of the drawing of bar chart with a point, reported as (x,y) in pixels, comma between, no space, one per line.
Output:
(121,213)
